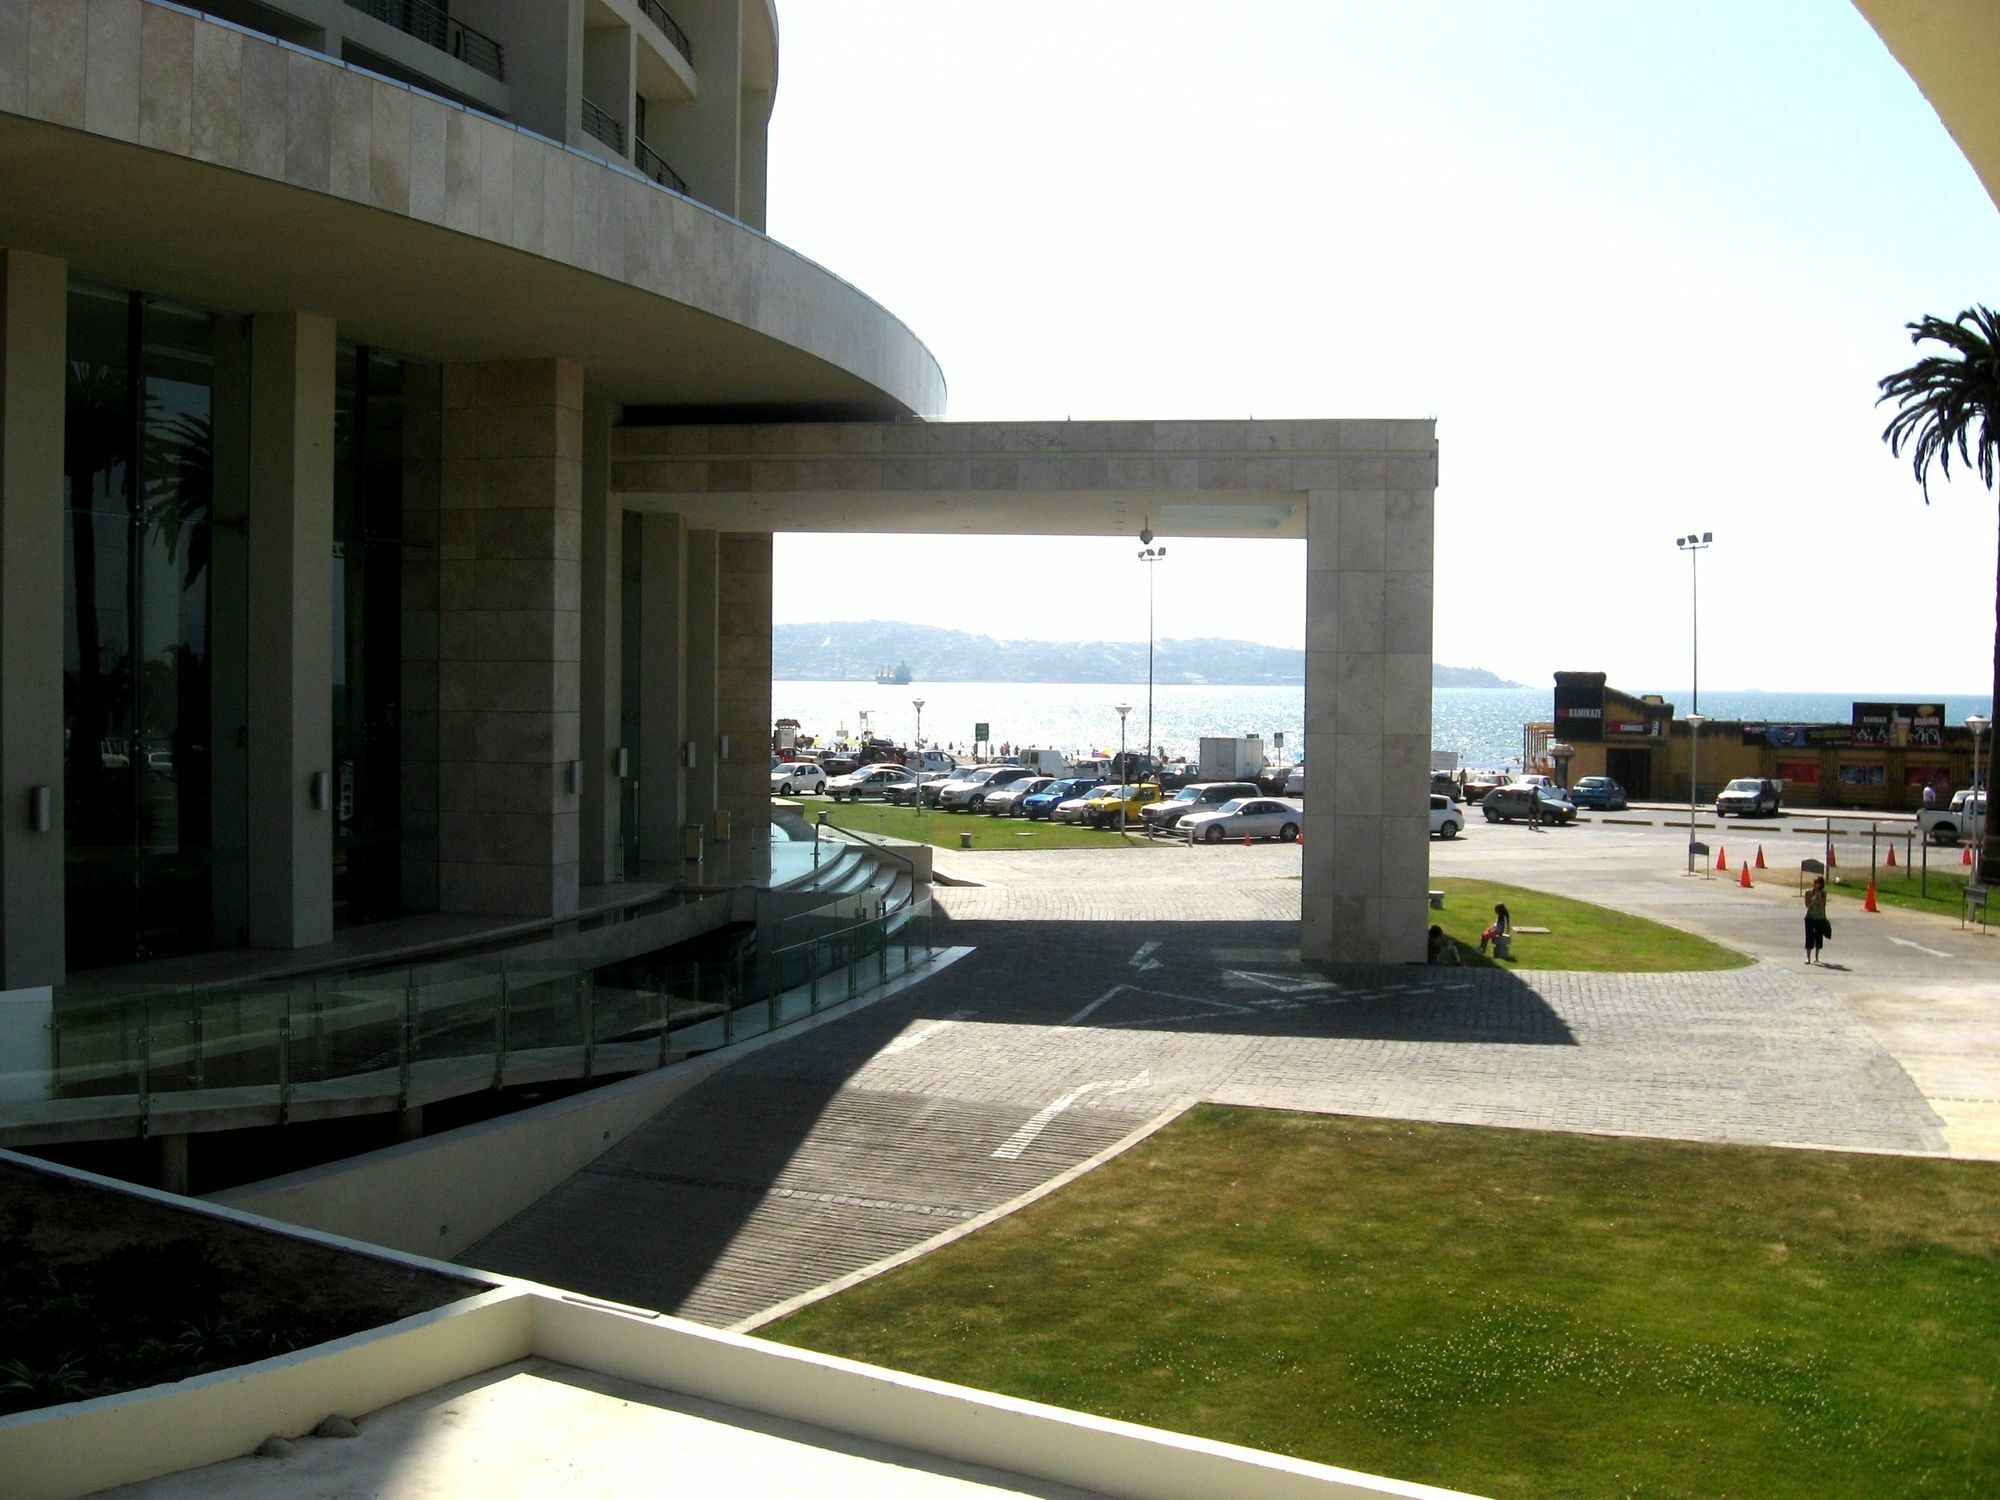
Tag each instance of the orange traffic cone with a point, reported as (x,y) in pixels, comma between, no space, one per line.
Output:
(1760,858)
(1246,841)
(1965,857)
(1892,856)
(1721,858)
(1745,881)
(1869,904)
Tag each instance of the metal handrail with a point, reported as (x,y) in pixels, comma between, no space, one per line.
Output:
(604,126)
(437,27)
(655,12)
(655,166)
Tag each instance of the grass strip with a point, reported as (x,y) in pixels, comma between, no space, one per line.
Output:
(1594,939)
(943,829)
(1515,1313)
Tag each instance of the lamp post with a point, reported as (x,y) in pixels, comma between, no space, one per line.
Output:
(1694,546)
(1695,722)
(1977,724)
(918,704)
(1149,556)
(1123,773)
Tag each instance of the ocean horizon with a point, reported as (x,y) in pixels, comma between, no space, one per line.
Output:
(1482,725)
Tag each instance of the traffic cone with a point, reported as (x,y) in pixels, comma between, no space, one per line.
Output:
(1965,855)
(1869,904)
(1745,881)
(1721,859)
(1892,856)
(1246,841)
(1760,857)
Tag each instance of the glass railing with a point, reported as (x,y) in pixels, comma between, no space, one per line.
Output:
(84,1058)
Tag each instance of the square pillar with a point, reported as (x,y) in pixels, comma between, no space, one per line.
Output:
(743,677)
(34,334)
(704,721)
(290,678)
(1366,864)
(600,835)
(662,681)
(509,636)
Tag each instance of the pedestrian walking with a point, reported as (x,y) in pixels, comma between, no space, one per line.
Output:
(1818,929)
(1535,808)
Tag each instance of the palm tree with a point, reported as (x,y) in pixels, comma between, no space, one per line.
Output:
(1950,403)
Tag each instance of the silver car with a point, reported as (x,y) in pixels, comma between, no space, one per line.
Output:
(869,781)
(969,792)
(1514,800)
(1006,803)
(1246,818)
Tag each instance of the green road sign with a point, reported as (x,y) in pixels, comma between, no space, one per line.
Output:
(982,733)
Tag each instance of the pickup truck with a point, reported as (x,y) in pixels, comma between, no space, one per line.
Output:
(1964,819)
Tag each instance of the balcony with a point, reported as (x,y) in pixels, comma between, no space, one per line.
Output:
(432,25)
(655,166)
(596,122)
(657,14)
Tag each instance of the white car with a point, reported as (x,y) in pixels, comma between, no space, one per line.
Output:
(869,781)
(1006,803)
(1447,817)
(791,777)
(1246,818)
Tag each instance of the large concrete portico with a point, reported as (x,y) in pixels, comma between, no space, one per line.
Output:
(1360,493)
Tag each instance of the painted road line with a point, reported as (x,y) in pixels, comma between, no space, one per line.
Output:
(918,1038)
(1906,943)
(1084,1014)
(1023,1138)
(1629,822)
(1284,984)
(1143,959)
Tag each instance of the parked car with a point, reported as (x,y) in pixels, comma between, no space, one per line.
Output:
(968,792)
(1105,807)
(1295,780)
(793,776)
(1447,816)
(912,795)
(1072,809)
(1246,818)
(869,781)
(1600,792)
(1747,797)
(1504,804)
(1196,796)
(1006,803)
(1479,783)
(1043,804)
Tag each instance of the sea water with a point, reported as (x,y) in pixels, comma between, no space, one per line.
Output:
(1483,725)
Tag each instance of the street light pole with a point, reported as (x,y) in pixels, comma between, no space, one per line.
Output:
(1694,722)
(1977,724)
(1149,556)
(1124,771)
(918,703)
(1694,546)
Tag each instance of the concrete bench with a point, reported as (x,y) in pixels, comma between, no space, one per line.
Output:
(1437,900)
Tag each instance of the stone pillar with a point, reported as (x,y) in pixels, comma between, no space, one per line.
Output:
(423,563)
(600,842)
(290,695)
(34,332)
(509,628)
(743,677)
(662,679)
(1366,865)
(704,723)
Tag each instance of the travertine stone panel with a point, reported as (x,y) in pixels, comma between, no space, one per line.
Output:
(743,676)
(509,640)
(215,104)
(58,49)
(111,87)
(166,79)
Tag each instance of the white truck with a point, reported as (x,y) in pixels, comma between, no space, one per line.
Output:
(1043,762)
(1963,821)
(1231,757)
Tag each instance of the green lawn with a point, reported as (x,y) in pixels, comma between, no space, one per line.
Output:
(1510,1312)
(929,826)
(1580,936)
(1903,887)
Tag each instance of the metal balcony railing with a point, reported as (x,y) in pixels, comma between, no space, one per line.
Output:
(434,25)
(657,14)
(655,166)
(596,122)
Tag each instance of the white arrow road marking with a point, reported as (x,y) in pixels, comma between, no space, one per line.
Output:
(1284,984)
(918,1038)
(1023,1138)
(1112,993)
(1919,947)
(1139,959)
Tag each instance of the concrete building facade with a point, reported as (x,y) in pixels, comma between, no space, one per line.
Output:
(397,403)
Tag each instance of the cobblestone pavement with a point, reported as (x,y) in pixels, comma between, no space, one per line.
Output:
(1085,1013)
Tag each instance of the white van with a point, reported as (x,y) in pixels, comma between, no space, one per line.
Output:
(1043,762)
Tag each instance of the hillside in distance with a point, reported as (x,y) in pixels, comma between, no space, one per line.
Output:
(852,650)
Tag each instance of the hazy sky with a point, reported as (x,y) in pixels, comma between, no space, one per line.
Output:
(1642,262)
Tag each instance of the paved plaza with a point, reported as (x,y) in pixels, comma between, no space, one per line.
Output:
(1102,992)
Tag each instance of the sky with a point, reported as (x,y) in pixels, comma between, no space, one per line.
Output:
(1643,263)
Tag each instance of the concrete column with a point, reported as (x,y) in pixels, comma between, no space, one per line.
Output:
(704,721)
(34,331)
(290,604)
(662,682)
(600,842)
(510,636)
(743,677)
(423,560)
(1366,865)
